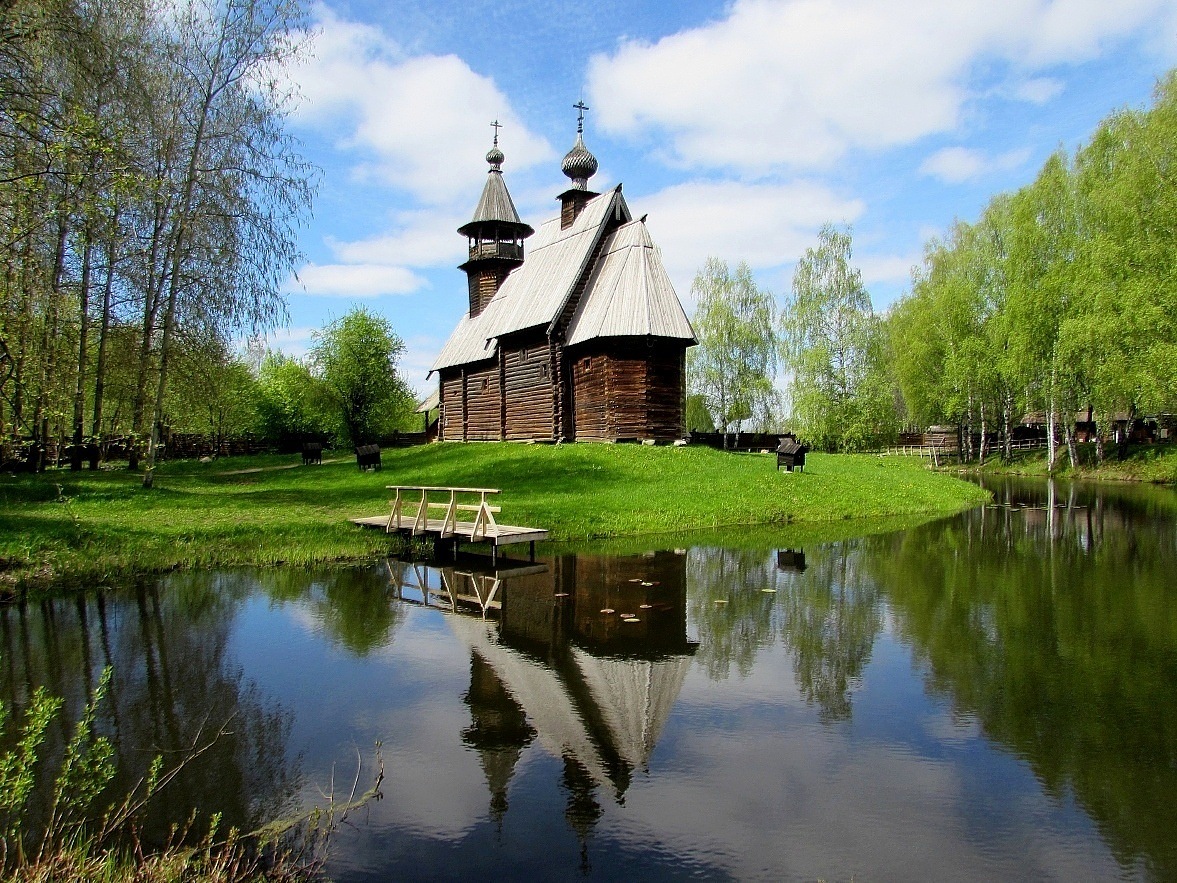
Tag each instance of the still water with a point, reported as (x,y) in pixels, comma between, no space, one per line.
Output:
(991,696)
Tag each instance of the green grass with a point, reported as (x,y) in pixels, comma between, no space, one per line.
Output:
(1150,463)
(89,526)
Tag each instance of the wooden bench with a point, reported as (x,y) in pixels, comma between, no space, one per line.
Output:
(368,457)
(312,452)
(484,522)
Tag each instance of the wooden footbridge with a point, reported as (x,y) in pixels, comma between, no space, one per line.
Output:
(414,506)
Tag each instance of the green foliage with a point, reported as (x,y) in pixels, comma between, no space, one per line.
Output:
(209,515)
(86,768)
(292,403)
(698,416)
(734,363)
(18,770)
(1061,297)
(833,346)
(215,392)
(355,358)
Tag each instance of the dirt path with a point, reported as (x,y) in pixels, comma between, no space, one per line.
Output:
(275,468)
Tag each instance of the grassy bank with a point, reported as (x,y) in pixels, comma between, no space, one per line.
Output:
(1150,463)
(249,511)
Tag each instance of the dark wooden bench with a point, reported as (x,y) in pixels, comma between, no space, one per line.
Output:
(368,457)
(791,455)
(312,452)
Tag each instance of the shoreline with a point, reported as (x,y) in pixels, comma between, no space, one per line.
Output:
(61,528)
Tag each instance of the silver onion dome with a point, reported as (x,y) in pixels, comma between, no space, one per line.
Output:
(579,164)
(495,157)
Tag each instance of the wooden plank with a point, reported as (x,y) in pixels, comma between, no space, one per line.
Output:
(508,534)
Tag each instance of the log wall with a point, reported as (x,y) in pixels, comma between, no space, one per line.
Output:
(483,405)
(528,389)
(626,388)
(452,410)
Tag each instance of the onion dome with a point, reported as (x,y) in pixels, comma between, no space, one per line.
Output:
(579,164)
(495,157)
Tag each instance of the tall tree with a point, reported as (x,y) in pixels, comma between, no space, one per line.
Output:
(240,188)
(832,344)
(356,358)
(733,365)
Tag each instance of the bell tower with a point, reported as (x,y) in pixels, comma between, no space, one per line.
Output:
(495,235)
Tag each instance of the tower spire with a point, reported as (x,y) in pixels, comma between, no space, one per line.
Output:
(494,235)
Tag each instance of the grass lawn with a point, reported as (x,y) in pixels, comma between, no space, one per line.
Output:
(1152,463)
(90,525)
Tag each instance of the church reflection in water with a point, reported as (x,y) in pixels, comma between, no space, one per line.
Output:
(585,655)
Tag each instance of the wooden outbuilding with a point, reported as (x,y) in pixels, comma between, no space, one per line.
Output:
(791,455)
(582,339)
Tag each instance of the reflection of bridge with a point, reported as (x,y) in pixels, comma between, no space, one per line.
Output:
(562,665)
(454,589)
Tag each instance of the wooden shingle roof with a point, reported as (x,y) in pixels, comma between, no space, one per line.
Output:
(535,293)
(629,293)
(495,205)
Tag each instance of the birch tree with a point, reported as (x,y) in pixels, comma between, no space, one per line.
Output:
(735,361)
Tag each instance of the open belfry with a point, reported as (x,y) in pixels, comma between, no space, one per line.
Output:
(582,339)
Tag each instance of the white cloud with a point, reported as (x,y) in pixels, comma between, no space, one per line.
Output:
(418,123)
(877,268)
(798,83)
(417,239)
(767,225)
(356,280)
(955,165)
(1039,90)
(291,341)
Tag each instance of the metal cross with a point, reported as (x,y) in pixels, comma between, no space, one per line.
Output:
(497,125)
(582,107)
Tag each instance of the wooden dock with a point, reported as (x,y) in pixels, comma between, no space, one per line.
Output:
(411,509)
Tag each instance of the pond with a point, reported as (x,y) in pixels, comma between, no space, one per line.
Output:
(989,696)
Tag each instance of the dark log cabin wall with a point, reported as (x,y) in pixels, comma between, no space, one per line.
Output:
(483,403)
(528,388)
(628,388)
(452,410)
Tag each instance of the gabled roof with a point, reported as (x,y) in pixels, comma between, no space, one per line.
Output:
(535,293)
(629,293)
(468,343)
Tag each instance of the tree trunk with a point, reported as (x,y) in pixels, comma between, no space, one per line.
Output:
(103,333)
(151,300)
(1007,426)
(75,460)
(1051,443)
(984,435)
(37,456)
(1072,450)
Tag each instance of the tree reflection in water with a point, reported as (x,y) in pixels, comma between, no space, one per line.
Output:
(174,687)
(1048,619)
(1051,619)
(820,606)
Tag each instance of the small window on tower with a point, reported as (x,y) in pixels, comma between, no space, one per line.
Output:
(523,354)
(588,363)
(543,370)
(485,384)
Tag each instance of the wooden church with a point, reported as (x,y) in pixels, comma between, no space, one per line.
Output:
(584,339)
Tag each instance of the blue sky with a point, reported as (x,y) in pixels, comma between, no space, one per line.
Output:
(738,127)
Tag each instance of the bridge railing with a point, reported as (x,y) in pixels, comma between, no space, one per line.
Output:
(452,500)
